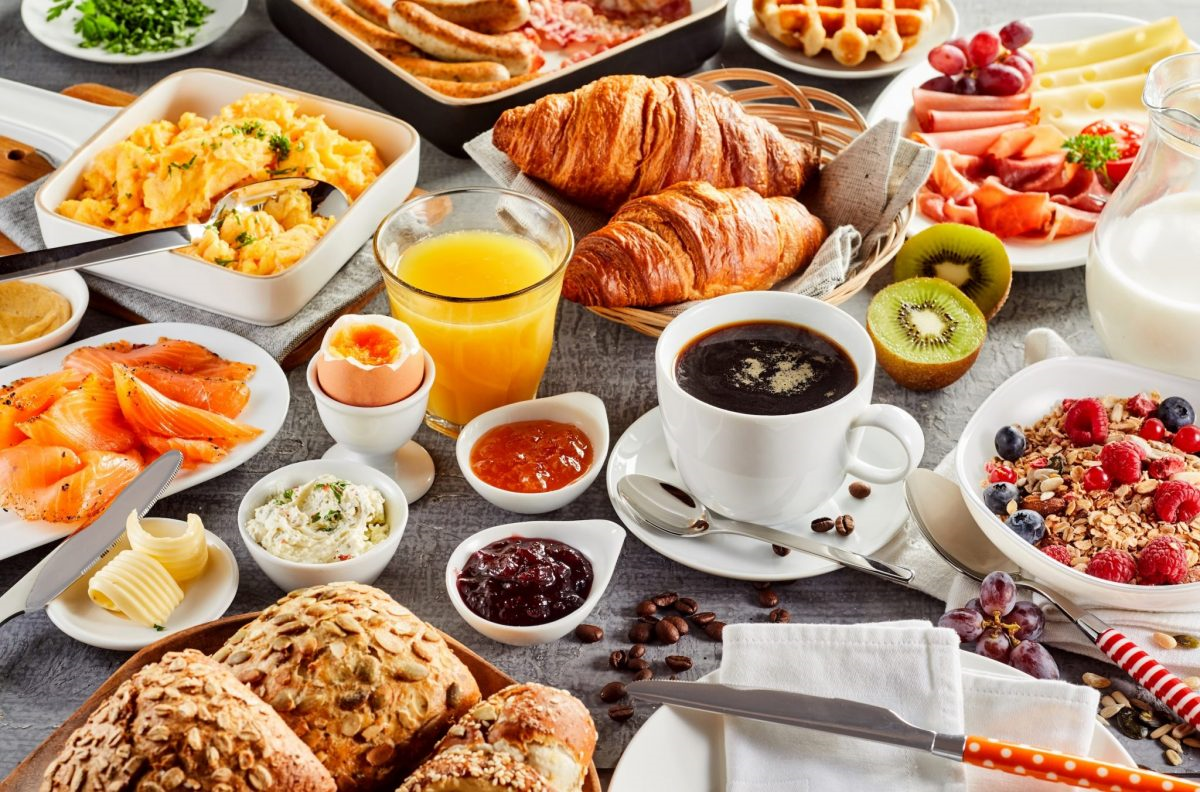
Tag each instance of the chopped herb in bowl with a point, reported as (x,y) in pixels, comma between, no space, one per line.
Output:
(131,27)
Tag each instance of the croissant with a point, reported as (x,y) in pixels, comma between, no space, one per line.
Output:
(625,136)
(691,242)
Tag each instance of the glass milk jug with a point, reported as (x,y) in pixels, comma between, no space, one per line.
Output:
(1143,269)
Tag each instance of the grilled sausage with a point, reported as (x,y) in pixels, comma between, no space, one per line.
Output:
(465,72)
(371,34)
(448,41)
(484,16)
(474,90)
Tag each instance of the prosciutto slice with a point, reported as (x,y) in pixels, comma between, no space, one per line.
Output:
(966,141)
(954,120)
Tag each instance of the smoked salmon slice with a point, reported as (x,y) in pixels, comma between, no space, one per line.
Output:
(195,452)
(225,396)
(86,419)
(183,356)
(77,496)
(152,413)
(24,399)
(31,466)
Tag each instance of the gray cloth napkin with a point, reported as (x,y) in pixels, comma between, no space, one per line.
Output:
(859,194)
(18,221)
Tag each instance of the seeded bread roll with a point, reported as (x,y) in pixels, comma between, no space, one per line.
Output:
(365,683)
(546,728)
(477,769)
(185,722)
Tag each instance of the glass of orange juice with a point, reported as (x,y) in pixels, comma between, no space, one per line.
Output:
(476,273)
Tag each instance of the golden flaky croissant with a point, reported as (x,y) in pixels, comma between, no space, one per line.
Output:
(625,136)
(691,242)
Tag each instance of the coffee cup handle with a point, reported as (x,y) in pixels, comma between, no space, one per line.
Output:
(900,425)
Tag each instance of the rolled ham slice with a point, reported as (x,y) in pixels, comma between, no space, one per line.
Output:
(954,120)
(924,101)
(966,141)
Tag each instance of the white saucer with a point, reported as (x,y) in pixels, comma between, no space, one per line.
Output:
(411,466)
(205,598)
(643,449)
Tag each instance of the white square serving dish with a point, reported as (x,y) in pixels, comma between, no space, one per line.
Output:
(260,300)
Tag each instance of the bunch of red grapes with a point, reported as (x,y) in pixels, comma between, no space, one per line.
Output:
(1003,628)
(989,64)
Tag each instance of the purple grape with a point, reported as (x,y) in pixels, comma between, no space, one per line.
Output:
(997,593)
(948,60)
(1021,65)
(968,623)
(997,79)
(1015,34)
(994,644)
(1024,56)
(984,48)
(1032,658)
(941,84)
(1029,618)
(959,42)
(974,604)
(966,86)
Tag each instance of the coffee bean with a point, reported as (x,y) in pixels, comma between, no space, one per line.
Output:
(759,585)
(779,616)
(686,605)
(646,608)
(651,620)
(636,651)
(780,550)
(589,633)
(822,525)
(617,659)
(844,525)
(704,617)
(768,598)
(678,662)
(644,674)
(665,600)
(715,630)
(859,490)
(666,632)
(620,713)
(640,633)
(613,691)
(679,623)
(637,664)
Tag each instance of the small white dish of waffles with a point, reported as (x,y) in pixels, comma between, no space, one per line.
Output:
(849,39)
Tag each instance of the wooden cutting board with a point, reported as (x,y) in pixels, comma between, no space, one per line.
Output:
(20,164)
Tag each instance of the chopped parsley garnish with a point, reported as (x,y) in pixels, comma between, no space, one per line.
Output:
(129,27)
(281,146)
(182,165)
(1092,151)
(245,238)
(223,262)
(280,171)
(159,627)
(284,497)
(254,128)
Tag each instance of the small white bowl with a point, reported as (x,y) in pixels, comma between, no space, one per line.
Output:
(292,575)
(1023,399)
(598,540)
(70,285)
(581,409)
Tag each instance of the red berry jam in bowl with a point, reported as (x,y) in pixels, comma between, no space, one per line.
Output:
(522,582)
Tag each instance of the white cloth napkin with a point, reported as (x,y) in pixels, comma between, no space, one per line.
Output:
(938,579)
(909,667)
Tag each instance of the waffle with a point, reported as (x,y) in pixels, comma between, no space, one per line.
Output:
(850,29)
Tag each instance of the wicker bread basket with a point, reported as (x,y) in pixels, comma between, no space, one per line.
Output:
(794,109)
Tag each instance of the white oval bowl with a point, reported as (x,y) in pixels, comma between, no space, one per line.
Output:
(583,410)
(292,575)
(1023,399)
(598,540)
(70,285)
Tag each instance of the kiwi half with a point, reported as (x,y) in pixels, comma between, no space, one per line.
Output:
(927,333)
(972,259)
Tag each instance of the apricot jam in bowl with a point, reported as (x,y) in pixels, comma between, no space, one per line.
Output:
(535,456)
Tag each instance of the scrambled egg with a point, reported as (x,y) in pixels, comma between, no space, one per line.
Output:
(168,174)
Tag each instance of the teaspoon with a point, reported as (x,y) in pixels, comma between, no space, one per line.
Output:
(673,510)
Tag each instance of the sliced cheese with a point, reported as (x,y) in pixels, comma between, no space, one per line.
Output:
(1128,66)
(1118,44)
(1074,107)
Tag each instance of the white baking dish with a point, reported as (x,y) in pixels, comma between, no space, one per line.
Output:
(261,300)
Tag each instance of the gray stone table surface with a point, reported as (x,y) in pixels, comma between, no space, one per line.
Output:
(45,675)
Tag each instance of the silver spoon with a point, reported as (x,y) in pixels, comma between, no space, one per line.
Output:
(327,201)
(937,507)
(673,510)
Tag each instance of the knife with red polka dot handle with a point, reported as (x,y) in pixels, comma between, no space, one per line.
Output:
(879,724)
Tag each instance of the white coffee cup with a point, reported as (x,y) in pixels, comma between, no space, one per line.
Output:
(773,468)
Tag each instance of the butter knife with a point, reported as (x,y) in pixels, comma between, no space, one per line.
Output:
(79,551)
(879,724)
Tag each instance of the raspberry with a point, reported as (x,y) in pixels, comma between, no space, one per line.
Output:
(1163,561)
(1112,564)
(1096,479)
(1122,461)
(1152,429)
(1000,473)
(1060,553)
(1086,423)
(1165,467)
(1176,501)
(1187,439)
(1141,405)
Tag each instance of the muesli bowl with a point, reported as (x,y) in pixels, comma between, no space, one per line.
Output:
(1024,399)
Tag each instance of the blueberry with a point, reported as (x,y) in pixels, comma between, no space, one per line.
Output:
(1010,443)
(1027,524)
(1176,413)
(997,496)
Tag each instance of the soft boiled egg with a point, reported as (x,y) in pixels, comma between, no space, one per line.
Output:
(370,361)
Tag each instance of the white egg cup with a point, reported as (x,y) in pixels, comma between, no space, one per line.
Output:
(380,437)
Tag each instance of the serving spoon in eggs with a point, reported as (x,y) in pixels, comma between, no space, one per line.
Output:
(326,201)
